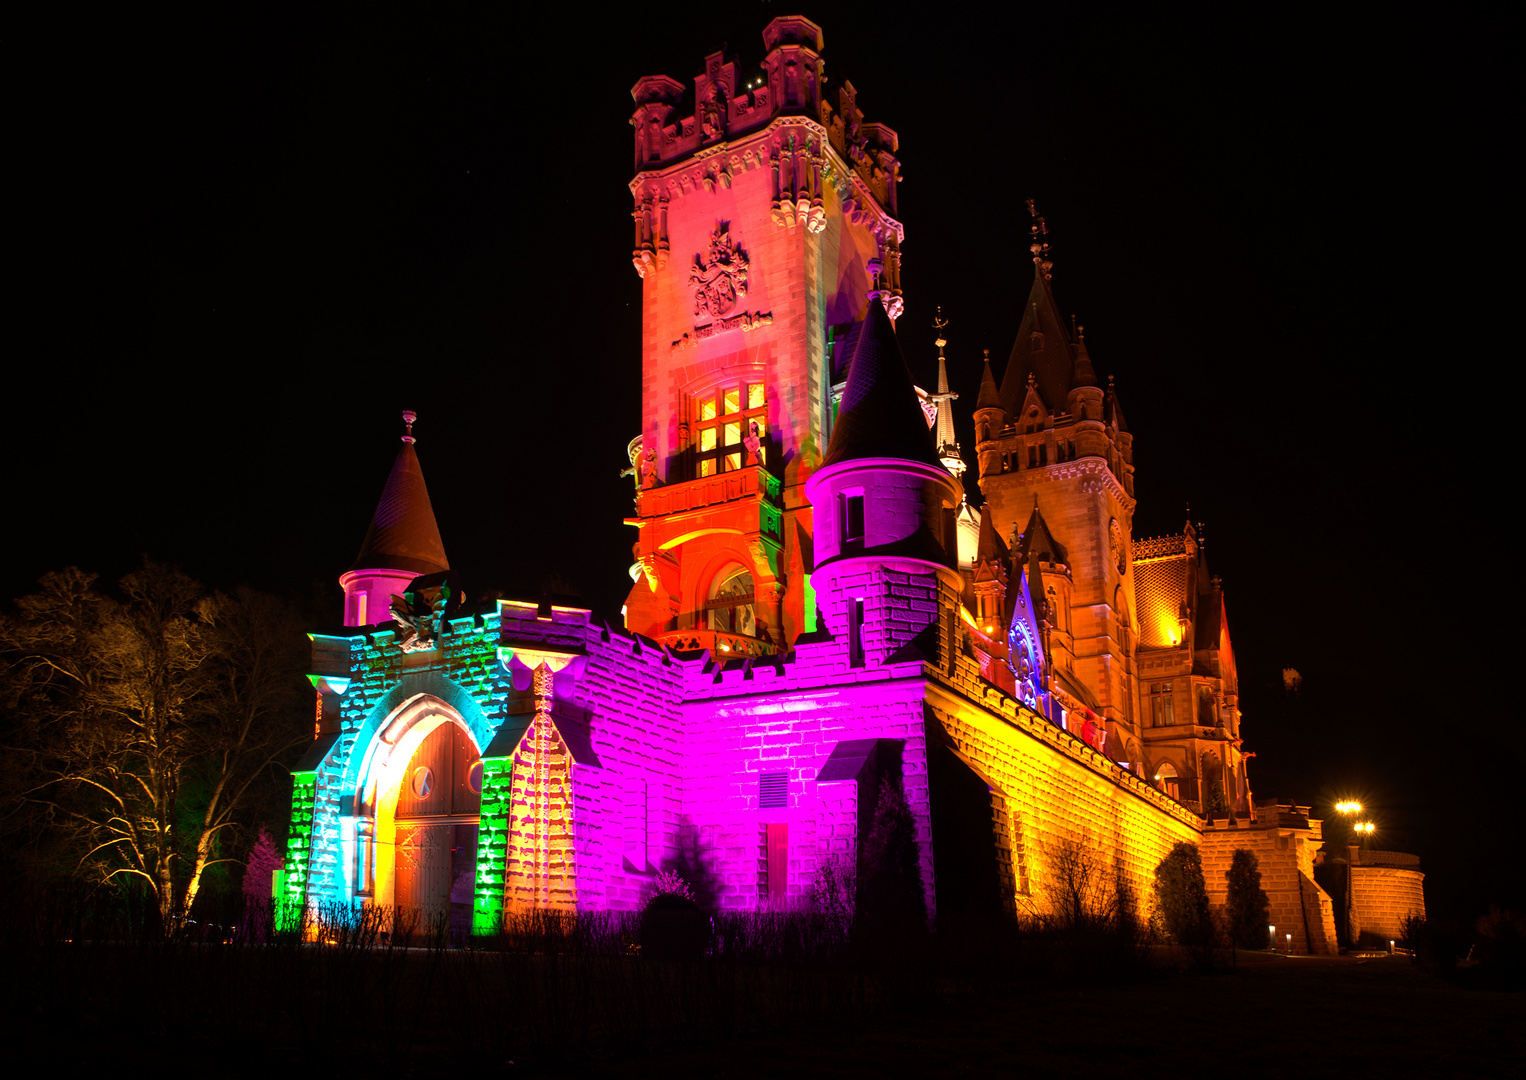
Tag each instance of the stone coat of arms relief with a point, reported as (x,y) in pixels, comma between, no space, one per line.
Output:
(720,281)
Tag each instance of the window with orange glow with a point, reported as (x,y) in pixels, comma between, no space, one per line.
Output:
(723,418)
(730,605)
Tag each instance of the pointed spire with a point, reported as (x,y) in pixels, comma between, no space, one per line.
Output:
(403,534)
(990,397)
(1082,374)
(880,415)
(1042,349)
(948,445)
(1114,412)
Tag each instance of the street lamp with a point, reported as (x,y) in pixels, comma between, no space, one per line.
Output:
(1348,808)
(1271,933)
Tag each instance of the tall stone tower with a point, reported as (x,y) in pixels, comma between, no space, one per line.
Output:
(1053,455)
(763,221)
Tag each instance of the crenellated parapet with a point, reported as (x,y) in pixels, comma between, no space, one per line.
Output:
(783,122)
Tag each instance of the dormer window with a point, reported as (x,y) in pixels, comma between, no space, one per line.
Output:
(724,418)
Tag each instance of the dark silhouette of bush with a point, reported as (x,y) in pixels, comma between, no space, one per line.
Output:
(891,904)
(673,927)
(1181,902)
(1247,907)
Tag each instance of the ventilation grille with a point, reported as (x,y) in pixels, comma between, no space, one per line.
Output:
(773,790)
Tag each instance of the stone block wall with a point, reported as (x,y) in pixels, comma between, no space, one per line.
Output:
(1381,898)
(1285,857)
(744,720)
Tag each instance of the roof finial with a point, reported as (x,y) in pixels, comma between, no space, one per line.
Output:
(939,322)
(1032,380)
(1037,244)
(409,416)
(987,354)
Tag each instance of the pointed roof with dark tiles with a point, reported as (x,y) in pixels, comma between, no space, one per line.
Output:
(990,397)
(880,416)
(403,533)
(1043,348)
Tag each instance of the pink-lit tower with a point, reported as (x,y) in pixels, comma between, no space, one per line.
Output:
(402,543)
(762,222)
(886,510)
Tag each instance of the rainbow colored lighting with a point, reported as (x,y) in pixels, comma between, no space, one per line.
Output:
(492,845)
(291,883)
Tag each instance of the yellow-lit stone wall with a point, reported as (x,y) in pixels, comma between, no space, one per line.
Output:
(1058,791)
(1381,898)
(1284,851)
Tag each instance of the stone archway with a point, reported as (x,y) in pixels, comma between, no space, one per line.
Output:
(419,807)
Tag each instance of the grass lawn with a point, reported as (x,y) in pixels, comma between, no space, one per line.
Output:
(1270,1017)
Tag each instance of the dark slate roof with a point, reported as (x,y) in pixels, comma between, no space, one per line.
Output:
(1081,373)
(990,547)
(403,534)
(844,341)
(1038,540)
(990,397)
(1048,359)
(880,415)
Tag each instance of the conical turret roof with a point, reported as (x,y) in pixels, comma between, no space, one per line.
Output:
(1042,348)
(1082,373)
(989,397)
(403,533)
(880,415)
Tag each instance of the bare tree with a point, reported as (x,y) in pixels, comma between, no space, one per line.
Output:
(144,717)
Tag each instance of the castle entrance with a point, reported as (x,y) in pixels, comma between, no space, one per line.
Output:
(438,802)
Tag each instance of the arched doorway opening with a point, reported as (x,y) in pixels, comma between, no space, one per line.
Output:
(435,827)
(422,795)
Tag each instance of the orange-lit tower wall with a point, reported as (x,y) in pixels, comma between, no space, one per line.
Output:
(1053,440)
(763,217)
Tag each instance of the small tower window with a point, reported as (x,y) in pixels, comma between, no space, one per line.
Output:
(855,633)
(852,517)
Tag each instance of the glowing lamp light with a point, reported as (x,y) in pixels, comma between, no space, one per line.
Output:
(1348,808)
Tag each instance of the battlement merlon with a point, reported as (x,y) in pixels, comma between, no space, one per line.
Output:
(794,84)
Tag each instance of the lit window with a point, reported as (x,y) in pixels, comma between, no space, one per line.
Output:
(724,426)
(730,605)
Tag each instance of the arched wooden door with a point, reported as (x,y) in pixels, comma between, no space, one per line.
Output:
(438,803)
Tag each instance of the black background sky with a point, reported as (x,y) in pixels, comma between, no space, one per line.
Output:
(245,240)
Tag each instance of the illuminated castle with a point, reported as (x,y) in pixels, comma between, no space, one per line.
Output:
(815,606)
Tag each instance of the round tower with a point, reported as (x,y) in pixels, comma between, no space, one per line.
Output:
(886,526)
(403,542)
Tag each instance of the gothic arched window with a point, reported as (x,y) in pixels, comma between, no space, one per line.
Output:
(729,606)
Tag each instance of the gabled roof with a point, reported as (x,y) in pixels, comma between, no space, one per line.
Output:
(880,415)
(403,534)
(1038,541)
(1042,348)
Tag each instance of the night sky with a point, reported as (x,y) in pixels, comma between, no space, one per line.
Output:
(247,241)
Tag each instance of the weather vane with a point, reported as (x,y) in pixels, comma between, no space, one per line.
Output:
(939,322)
